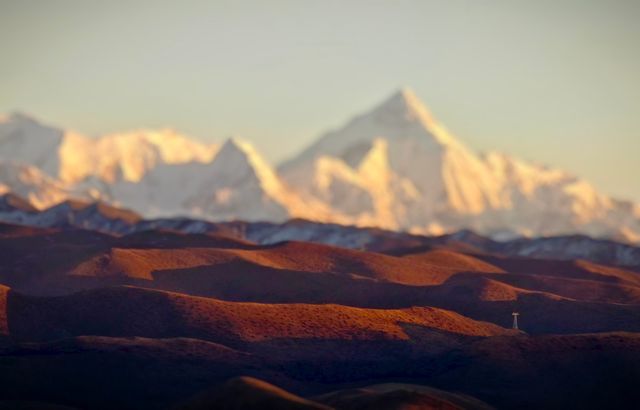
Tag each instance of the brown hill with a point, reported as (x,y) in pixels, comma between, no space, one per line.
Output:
(249,393)
(65,253)
(571,269)
(396,396)
(553,296)
(310,318)
(456,260)
(129,311)
(15,231)
(590,371)
(93,372)
(524,372)
(491,299)
(65,261)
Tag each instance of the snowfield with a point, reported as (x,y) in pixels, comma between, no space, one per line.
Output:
(394,167)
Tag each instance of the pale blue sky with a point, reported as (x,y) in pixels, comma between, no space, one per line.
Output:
(553,81)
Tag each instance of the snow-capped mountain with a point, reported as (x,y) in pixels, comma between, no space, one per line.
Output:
(39,189)
(427,174)
(359,186)
(443,172)
(239,184)
(72,157)
(394,167)
(427,181)
(24,140)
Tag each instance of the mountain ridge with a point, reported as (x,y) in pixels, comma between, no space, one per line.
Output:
(394,167)
(16,213)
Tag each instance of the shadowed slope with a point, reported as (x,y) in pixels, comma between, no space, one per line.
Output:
(91,372)
(523,372)
(62,262)
(553,296)
(249,393)
(129,311)
(400,397)
(590,371)
(576,269)
(455,260)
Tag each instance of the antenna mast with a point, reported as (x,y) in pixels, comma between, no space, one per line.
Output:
(515,320)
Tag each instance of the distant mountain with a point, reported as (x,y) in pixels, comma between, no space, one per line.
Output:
(72,158)
(32,184)
(249,393)
(240,184)
(237,184)
(395,167)
(102,217)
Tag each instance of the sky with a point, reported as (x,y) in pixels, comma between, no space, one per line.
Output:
(556,82)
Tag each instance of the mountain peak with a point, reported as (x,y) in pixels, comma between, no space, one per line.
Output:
(404,115)
(237,144)
(240,183)
(405,95)
(402,119)
(17,117)
(405,104)
(241,157)
(240,149)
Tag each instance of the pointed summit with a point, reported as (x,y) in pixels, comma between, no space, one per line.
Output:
(405,103)
(243,157)
(404,111)
(16,117)
(239,161)
(403,94)
(237,145)
(22,119)
(401,118)
(240,184)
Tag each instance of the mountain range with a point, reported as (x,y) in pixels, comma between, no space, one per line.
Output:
(97,216)
(394,167)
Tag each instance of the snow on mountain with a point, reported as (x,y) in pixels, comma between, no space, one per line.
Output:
(394,167)
(101,217)
(543,201)
(128,156)
(163,191)
(68,214)
(157,173)
(23,139)
(236,183)
(430,182)
(359,186)
(240,184)
(72,157)
(30,183)
(439,173)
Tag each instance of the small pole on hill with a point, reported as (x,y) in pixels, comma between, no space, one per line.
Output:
(515,320)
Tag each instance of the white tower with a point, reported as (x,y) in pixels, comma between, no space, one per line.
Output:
(515,320)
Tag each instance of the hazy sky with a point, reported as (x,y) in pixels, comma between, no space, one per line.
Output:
(553,81)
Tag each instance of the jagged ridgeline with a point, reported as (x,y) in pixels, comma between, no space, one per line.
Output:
(394,167)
